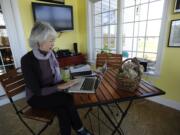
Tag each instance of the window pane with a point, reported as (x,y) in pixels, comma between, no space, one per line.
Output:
(140,45)
(129,54)
(7,56)
(113,17)
(150,56)
(153,0)
(128,3)
(97,7)
(143,11)
(136,29)
(105,31)
(127,44)
(2,70)
(128,30)
(155,10)
(140,28)
(98,43)
(1,62)
(112,43)
(105,42)
(3,33)
(105,5)
(113,51)
(137,13)
(135,44)
(128,14)
(113,4)
(138,2)
(4,41)
(1,19)
(105,18)
(113,29)
(132,54)
(144,1)
(153,28)
(97,51)
(151,45)
(9,67)
(97,20)
(98,32)
(139,55)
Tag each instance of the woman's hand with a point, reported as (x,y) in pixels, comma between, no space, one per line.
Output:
(68,84)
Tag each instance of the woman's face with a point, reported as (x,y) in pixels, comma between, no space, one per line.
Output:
(48,45)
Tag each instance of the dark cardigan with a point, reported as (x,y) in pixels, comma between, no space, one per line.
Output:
(32,73)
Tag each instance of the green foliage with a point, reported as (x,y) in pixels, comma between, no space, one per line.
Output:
(105,50)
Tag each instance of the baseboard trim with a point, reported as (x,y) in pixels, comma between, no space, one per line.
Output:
(166,102)
(4,100)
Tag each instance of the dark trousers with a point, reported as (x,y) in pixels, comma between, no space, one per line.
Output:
(63,104)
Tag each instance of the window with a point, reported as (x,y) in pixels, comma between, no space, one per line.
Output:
(141,29)
(105,25)
(133,26)
(6,59)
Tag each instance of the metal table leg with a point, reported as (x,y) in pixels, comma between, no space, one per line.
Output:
(116,126)
(122,117)
(112,123)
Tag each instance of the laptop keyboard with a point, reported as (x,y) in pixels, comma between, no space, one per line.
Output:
(88,84)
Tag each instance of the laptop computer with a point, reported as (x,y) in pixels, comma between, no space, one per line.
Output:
(85,85)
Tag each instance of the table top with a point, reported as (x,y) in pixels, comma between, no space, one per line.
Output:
(108,92)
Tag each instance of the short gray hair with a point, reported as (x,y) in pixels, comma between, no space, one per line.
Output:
(40,32)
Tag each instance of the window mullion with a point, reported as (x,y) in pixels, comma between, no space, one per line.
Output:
(133,29)
(102,41)
(3,65)
(119,26)
(109,27)
(145,20)
(93,32)
(146,28)
(109,37)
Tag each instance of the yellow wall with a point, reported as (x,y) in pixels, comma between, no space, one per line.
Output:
(169,79)
(81,4)
(66,39)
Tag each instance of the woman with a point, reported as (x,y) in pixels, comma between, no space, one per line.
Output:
(43,80)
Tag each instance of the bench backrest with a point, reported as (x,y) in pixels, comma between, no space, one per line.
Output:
(112,60)
(13,82)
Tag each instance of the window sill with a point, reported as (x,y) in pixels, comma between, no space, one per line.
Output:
(151,73)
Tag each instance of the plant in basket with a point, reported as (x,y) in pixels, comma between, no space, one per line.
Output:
(129,74)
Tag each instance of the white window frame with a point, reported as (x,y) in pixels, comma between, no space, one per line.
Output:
(162,38)
(90,33)
(90,30)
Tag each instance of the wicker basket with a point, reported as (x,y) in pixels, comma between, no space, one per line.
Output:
(127,83)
